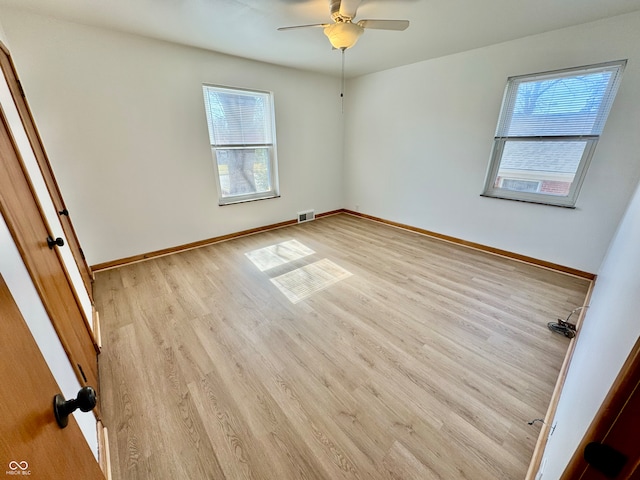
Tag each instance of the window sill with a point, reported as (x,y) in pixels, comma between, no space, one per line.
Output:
(537,202)
(246,200)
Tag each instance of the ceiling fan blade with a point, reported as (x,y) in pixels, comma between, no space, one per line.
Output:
(348,8)
(385,24)
(305,26)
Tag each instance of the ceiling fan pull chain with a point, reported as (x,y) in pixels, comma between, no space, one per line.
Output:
(342,81)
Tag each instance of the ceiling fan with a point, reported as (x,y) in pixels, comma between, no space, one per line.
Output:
(343,33)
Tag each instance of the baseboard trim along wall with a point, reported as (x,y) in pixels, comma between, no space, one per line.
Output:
(189,246)
(495,251)
(104,455)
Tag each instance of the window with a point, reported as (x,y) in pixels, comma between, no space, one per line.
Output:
(547,132)
(242,134)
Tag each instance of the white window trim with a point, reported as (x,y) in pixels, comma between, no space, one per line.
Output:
(506,111)
(274,192)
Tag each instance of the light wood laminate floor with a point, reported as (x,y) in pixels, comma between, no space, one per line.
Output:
(422,360)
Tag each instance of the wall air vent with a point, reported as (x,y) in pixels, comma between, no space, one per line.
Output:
(306,216)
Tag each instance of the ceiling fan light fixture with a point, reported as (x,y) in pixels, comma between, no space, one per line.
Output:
(343,35)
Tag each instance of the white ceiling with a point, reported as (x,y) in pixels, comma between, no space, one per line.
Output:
(247,28)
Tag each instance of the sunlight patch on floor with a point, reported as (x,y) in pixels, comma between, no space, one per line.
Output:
(278,254)
(305,281)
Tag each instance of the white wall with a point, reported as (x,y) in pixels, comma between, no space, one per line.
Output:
(3,37)
(122,118)
(420,136)
(609,332)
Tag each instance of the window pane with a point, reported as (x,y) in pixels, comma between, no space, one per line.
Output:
(552,165)
(520,185)
(238,118)
(559,106)
(244,171)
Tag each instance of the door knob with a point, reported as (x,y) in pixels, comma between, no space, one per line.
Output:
(57,242)
(86,401)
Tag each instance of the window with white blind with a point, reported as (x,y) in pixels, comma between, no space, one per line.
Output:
(547,131)
(243,143)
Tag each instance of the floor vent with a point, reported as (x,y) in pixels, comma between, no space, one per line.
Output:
(306,216)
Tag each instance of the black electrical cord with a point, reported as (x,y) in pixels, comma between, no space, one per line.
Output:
(563,327)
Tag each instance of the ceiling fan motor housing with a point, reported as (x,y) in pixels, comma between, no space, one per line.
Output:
(335,11)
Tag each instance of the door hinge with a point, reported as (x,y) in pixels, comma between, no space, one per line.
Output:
(81,253)
(605,459)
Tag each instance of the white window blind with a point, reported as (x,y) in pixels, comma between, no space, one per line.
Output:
(238,118)
(559,104)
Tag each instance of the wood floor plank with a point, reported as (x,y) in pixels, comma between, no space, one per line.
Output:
(400,464)
(426,362)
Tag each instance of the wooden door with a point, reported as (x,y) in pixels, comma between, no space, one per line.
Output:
(31,442)
(29,229)
(9,71)
(613,440)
